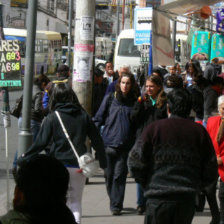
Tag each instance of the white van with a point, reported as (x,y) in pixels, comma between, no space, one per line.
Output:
(126,53)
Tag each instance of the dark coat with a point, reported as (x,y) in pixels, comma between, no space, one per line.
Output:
(79,125)
(115,115)
(210,102)
(36,105)
(173,157)
(144,113)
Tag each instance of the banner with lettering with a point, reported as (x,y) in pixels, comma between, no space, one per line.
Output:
(10,63)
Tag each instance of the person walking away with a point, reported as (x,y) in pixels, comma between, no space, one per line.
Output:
(40,193)
(212,70)
(37,114)
(215,129)
(171,159)
(79,126)
(149,107)
(118,137)
(62,75)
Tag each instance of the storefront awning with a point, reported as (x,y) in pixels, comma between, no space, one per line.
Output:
(180,7)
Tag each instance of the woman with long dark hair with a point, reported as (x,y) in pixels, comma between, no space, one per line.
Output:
(79,126)
(149,107)
(117,135)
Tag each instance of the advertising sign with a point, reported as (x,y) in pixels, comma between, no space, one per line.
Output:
(217,46)
(142,25)
(201,43)
(19,3)
(10,63)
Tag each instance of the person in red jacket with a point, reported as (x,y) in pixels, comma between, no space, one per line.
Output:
(215,128)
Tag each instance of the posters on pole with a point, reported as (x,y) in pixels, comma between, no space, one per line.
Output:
(142,25)
(83,60)
(87,28)
(162,49)
(10,63)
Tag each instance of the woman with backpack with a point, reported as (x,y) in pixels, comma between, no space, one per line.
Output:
(118,137)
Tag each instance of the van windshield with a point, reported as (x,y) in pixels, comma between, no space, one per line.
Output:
(127,48)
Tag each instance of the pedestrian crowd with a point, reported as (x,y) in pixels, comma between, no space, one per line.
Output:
(165,130)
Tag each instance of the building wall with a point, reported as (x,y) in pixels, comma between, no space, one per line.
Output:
(51,15)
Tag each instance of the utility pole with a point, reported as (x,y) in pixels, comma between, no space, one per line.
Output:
(123,14)
(174,31)
(25,136)
(83,52)
(118,19)
(70,13)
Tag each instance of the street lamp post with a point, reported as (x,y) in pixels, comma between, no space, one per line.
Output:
(25,136)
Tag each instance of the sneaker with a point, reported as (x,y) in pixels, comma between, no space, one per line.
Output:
(116,212)
(140,210)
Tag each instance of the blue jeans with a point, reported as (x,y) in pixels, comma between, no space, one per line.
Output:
(35,127)
(141,200)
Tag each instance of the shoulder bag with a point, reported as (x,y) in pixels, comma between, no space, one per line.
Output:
(87,162)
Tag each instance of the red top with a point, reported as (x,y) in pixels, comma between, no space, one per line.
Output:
(212,128)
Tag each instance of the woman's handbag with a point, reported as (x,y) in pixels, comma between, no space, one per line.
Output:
(87,162)
(17,108)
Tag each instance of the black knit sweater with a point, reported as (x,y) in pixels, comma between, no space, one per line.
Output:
(173,157)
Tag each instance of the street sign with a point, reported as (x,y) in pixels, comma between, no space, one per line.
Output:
(10,63)
(142,25)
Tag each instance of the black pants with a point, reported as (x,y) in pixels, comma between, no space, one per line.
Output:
(116,175)
(221,199)
(212,201)
(169,211)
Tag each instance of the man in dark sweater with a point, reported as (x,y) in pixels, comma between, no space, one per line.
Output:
(172,159)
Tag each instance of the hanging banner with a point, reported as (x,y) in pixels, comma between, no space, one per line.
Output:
(10,63)
(162,50)
(201,43)
(217,47)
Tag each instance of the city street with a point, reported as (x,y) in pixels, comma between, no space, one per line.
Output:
(95,200)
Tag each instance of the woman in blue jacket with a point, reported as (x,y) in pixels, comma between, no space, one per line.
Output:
(118,137)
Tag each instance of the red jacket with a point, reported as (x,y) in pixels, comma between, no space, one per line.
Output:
(212,128)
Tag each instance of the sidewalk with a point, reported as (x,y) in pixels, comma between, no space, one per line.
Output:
(95,205)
